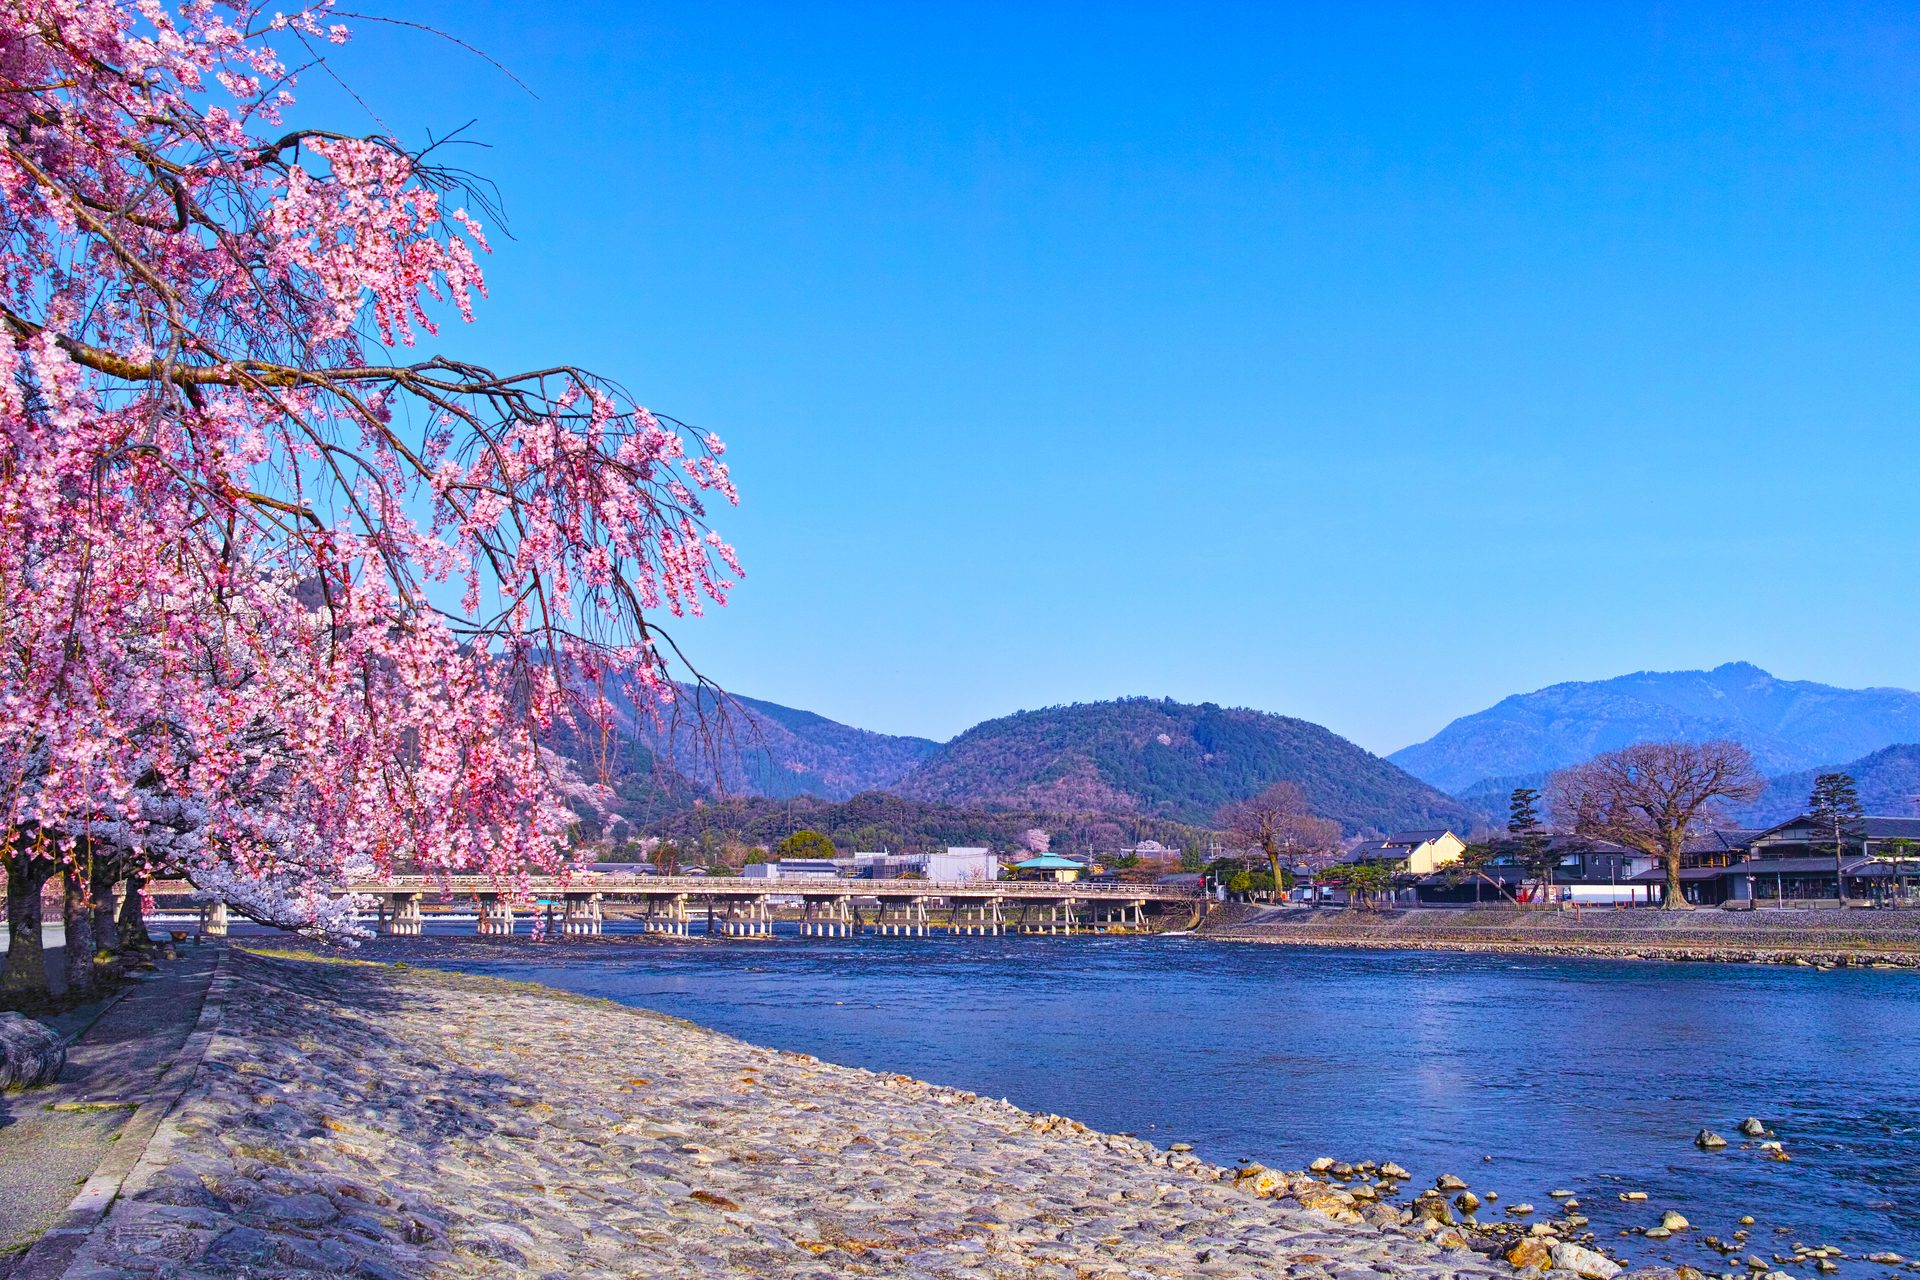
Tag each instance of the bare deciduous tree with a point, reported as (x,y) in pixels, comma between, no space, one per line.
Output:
(1654,797)
(1278,823)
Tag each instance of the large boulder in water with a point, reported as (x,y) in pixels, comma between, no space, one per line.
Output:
(30,1053)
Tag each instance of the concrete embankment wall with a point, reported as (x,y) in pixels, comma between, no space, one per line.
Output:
(1811,936)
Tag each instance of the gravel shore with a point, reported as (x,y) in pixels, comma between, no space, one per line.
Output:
(1886,939)
(376,1121)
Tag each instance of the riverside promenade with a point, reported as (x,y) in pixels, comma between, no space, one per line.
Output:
(374,1121)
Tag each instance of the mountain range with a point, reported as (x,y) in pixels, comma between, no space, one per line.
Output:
(1788,725)
(1132,758)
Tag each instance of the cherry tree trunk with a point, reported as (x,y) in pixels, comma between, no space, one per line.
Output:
(106,934)
(133,920)
(25,977)
(76,913)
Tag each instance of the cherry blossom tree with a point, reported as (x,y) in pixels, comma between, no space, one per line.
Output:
(282,599)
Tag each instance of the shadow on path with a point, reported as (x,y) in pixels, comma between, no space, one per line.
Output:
(53,1138)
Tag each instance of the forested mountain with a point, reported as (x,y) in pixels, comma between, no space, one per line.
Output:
(1491,798)
(1788,725)
(1888,779)
(620,778)
(878,820)
(735,745)
(704,747)
(1166,759)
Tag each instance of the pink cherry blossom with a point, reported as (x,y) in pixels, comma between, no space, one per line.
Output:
(283,599)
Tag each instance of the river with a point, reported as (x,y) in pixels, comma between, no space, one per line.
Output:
(1520,1074)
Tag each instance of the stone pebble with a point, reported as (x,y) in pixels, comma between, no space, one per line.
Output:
(361,1121)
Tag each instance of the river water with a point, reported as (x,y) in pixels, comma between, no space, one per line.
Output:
(1520,1074)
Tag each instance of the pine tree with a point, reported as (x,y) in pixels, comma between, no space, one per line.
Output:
(1527,841)
(1836,814)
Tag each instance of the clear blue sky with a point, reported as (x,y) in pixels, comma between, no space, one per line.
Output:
(1362,363)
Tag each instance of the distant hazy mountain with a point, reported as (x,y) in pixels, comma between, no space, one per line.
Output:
(1788,725)
(1889,782)
(1170,760)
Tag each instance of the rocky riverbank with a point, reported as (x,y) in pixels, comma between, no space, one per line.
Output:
(377,1121)
(1826,938)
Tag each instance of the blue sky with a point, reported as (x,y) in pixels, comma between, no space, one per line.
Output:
(1361,363)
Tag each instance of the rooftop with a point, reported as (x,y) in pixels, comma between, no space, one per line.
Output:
(1877,827)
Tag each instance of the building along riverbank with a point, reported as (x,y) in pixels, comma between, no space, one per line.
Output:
(1769,936)
(379,1121)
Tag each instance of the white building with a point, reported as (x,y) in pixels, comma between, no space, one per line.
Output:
(792,869)
(963,862)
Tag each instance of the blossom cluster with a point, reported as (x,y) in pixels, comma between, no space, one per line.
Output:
(282,602)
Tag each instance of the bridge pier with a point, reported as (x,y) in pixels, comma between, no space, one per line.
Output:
(832,919)
(213,919)
(751,918)
(496,916)
(675,921)
(582,915)
(759,921)
(400,915)
(1062,919)
(911,920)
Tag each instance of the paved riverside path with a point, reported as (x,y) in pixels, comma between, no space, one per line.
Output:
(47,1154)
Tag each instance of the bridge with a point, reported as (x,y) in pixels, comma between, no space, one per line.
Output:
(744,908)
